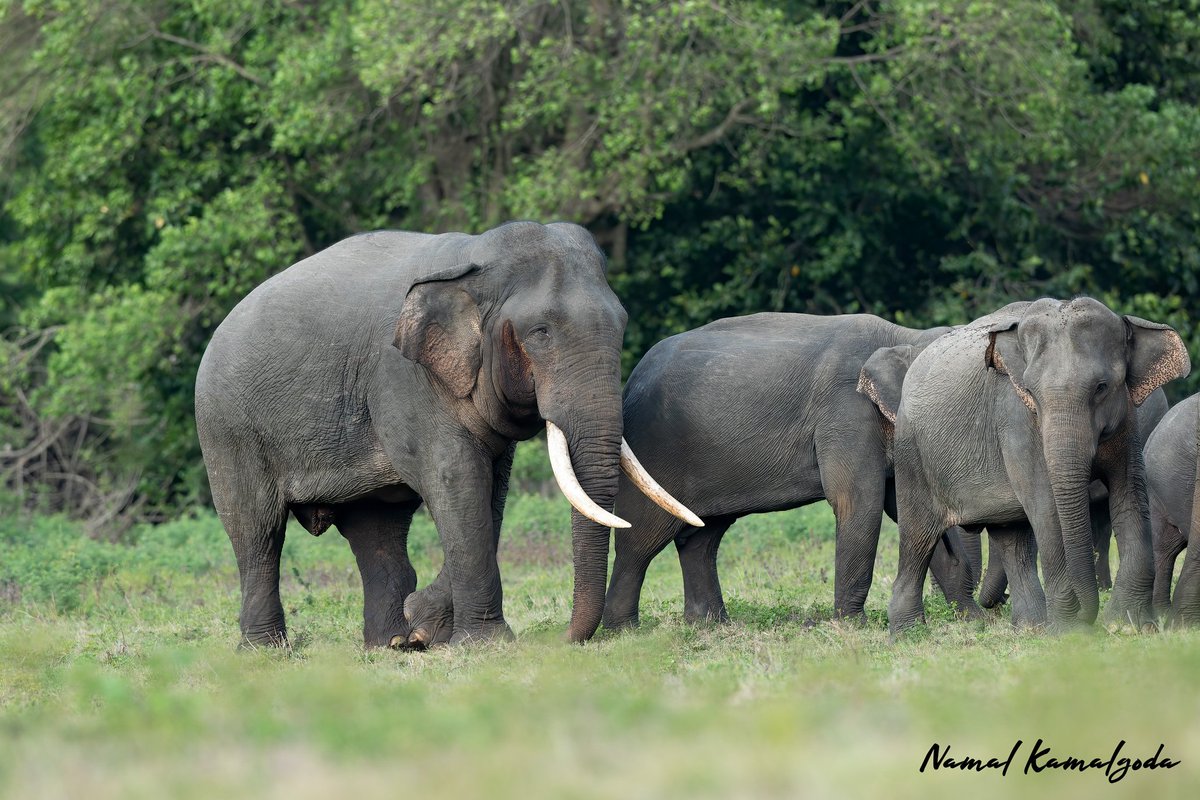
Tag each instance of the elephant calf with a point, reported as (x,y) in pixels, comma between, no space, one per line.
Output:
(765,409)
(1173,483)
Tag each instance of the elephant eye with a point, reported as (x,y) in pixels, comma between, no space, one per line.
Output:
(538,332)
(1101,388)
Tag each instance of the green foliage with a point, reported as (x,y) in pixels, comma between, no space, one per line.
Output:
(48,561)
(927,161)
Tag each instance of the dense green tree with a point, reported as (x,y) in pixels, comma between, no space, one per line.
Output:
(922,160)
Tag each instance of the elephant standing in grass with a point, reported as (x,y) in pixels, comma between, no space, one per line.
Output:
(398,368)
(754,414)
(1005,422)
(1173,483)
(995,580)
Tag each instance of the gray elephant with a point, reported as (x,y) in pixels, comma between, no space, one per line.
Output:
(1149,414)
(1173,484)
(765,409)
(1005,422)
(398,368)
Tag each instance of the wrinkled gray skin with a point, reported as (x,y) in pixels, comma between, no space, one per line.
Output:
(1173,483)
(1149,414)
(765,410)
(1005,422)
(995,580)
(398,368)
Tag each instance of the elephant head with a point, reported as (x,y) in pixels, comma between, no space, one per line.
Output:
(1080,369)
(522,329)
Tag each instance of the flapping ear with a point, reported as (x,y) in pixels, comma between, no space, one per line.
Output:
(440,329)
(882,378)
(1154,355)
(1004,355)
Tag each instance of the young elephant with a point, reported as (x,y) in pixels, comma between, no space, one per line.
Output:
(1149,414)
(398,368)
(1005,422)
(1173,483)
(766,410)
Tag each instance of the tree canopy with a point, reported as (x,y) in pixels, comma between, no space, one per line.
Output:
(925,161)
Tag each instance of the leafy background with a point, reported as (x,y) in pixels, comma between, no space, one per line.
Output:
(926,161)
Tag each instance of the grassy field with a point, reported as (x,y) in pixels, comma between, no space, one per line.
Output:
(119,679)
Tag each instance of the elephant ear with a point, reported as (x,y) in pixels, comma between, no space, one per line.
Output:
(1155,355)
(440,327)
(882,378)
(1004,355)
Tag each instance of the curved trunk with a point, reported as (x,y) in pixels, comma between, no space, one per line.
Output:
(1069,450)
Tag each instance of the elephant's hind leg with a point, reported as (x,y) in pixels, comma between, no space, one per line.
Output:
(697,547)
(1015,548)
(856,492)
(378,535)
(255,521)
(953,571)
(1168,541)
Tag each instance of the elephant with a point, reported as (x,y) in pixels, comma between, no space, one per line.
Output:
(1005,422)
(394,369)
(1149,414)
(1173,485)
(766,410)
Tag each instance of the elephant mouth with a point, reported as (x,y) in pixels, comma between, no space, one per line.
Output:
(568,483)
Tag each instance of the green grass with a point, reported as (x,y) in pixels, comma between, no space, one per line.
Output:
(119,678)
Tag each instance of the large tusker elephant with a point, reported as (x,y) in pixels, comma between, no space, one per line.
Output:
(395,368)
(1006,421)
(765,409)
(1173,484)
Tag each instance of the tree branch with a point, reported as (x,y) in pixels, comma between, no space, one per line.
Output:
(208,55)
(733,117)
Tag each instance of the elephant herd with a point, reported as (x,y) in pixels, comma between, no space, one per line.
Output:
(394,369)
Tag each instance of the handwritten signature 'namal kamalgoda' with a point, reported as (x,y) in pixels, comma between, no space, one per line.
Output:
(1115,766)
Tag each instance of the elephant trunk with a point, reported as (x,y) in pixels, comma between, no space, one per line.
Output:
(585,415)
(596,456)
(1069,449)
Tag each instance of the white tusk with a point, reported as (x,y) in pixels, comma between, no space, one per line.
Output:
(651,488)
(564,473)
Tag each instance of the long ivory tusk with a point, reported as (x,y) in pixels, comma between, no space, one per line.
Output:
(651,488)
(564,473)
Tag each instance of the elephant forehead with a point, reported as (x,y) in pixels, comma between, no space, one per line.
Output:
(1078,314)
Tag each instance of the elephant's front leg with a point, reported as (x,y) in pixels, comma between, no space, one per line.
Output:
(1029,477)
(1133,590)
(465,601)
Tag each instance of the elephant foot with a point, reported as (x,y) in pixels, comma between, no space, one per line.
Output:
(854,613)
(615,623)
(903,613)
(705,614)
(967,608)
(492,630)
(1128,616)
(267,637)
(389,634)
(430,616)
